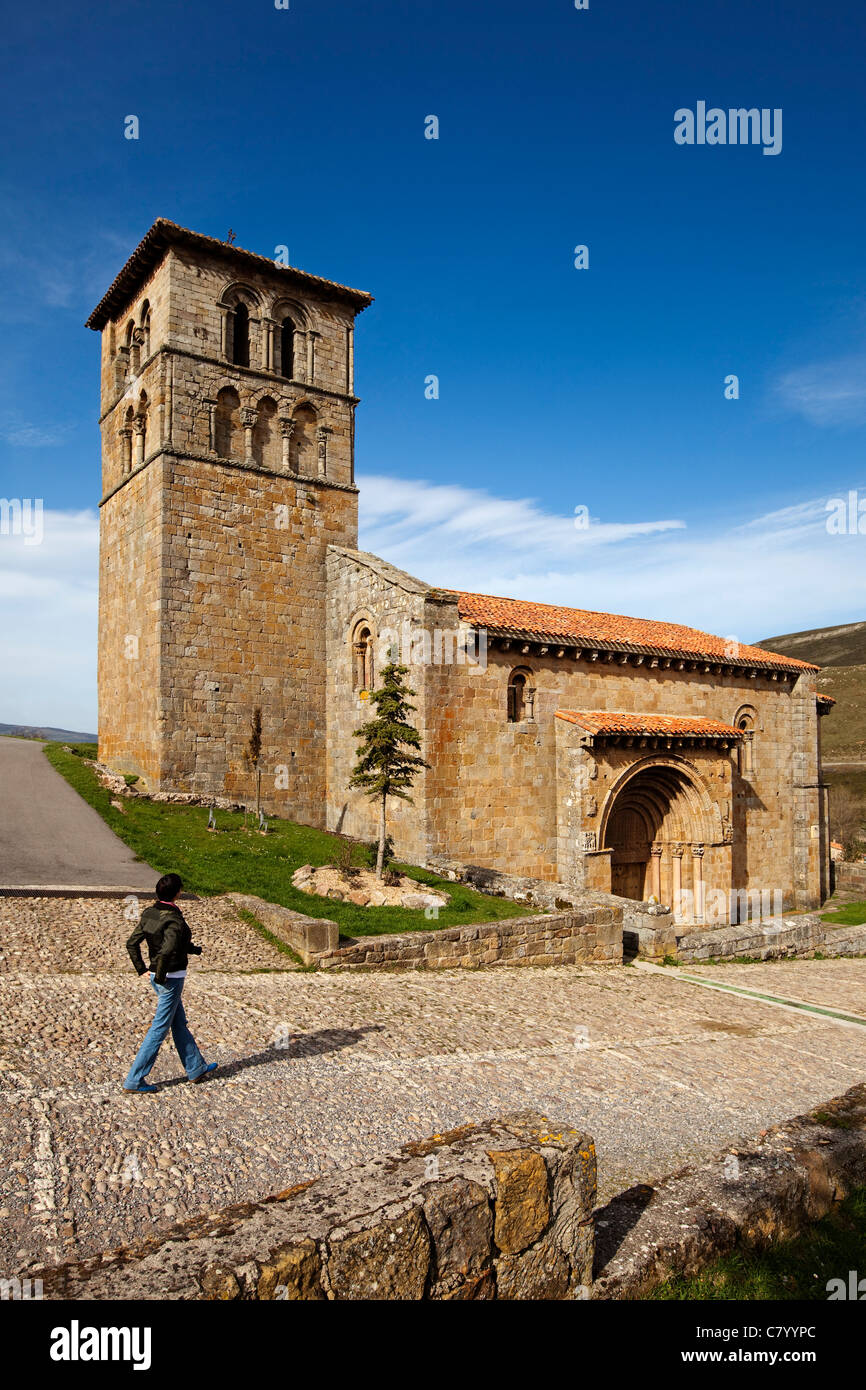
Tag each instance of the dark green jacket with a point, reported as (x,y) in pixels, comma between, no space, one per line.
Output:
(169,941)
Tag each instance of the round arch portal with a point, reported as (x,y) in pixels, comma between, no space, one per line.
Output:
(656,805)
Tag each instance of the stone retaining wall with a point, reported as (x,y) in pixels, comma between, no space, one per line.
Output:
(308,936)
(590,935)
(851,877)
(563,938)
(793,936)
(502,1210)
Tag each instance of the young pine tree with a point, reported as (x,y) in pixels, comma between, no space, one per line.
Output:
(386,765)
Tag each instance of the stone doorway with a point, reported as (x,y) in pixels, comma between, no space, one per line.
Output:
(657,825)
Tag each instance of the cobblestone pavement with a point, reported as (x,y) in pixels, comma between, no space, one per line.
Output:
(319,1070)
(835,984)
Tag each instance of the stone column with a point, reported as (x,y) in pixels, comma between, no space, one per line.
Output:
(322,442)
(139,425)
(312,335)
(698,868)
(126,450)
(268,345)
(224,333)
(287,429)
(248,420)
(677,881)
(656,858)
(211,425)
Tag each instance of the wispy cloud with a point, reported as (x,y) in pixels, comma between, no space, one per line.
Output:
(397,513)
(777,572)
(26,434)
(827,393)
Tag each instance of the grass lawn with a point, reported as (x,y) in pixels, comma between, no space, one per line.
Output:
(795,1269)
(176,838)
(851,915)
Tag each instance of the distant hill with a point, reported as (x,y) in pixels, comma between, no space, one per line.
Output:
(841,652)
(825,646)
(50,735)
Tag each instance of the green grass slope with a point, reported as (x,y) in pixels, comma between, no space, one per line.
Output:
(232,859)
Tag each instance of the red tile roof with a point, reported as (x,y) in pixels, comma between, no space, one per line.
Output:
(825,699)
(164,233)
(584,628)
(651,725)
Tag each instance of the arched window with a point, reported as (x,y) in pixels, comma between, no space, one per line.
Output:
(362,658)
(241,335)
(304,440)
(228,422)
(746,720)
(521,696)
(287,348)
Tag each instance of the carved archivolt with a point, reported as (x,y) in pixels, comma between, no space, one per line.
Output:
(669,795)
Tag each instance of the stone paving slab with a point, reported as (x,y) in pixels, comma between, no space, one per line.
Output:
(323,1070)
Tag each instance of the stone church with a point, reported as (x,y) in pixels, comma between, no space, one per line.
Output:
(643,758)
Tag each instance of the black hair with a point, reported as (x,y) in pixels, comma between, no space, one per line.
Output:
(168,887)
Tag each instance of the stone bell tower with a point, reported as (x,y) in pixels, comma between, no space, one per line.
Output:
(227,425)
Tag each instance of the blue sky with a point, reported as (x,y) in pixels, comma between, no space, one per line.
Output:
(601,388)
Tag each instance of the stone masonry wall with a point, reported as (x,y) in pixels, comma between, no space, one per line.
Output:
(528,798)
(502,1210)
(589,935)
(213,543)
(129,664)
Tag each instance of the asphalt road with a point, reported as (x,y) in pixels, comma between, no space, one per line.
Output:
(50,837)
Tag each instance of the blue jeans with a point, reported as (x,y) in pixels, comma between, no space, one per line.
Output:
(169,1014)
